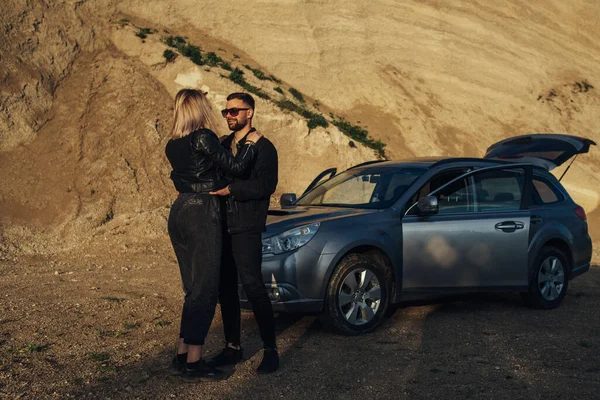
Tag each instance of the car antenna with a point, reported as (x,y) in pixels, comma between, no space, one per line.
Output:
(569,166)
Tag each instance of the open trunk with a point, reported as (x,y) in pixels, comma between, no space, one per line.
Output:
(545,149)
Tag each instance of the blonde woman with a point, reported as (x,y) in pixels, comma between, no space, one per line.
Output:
(199,166)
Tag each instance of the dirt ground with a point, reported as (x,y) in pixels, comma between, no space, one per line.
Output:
(98,327)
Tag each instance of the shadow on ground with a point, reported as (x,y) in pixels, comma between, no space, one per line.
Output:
(477,346)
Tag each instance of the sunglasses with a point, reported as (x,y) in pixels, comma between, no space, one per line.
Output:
(232,111)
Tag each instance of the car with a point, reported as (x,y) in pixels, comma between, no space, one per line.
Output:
(384,232)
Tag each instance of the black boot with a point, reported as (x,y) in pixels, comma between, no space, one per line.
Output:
(269,363)
(200,371)
(178,364)
(227,356)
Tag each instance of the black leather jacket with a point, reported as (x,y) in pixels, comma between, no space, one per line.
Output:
(200,163)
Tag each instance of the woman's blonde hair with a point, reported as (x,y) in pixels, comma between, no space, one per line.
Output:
(192,112)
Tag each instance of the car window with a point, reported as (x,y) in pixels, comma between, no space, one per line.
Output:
(546,192)
(398,184)
(499,190)
(356,190)
(435,183)
(368,187)
(455,198)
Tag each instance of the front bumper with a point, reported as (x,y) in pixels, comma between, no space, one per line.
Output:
(295,281)
(284,298)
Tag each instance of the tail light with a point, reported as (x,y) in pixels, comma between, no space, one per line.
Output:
(581,213)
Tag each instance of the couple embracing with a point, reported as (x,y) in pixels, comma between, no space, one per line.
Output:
(215,226)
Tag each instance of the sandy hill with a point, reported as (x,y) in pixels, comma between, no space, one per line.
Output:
(85,103)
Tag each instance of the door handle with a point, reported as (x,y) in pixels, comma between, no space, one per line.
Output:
(509,226)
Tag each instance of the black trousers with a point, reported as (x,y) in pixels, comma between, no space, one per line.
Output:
(242,254)
(195,229)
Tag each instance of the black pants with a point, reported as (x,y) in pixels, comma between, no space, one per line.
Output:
(242,254)
(196,233)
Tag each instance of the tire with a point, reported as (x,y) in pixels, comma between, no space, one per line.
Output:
(549,269)
(358,295)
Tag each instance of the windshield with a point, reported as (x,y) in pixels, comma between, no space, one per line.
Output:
(369,187)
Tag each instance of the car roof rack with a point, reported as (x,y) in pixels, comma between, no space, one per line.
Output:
(367,163)
(469,159)
(486,161)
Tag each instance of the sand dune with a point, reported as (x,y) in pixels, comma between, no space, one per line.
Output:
(85,103)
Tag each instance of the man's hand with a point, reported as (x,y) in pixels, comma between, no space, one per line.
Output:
(221,192)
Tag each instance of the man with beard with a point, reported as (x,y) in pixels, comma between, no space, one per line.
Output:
(247,205)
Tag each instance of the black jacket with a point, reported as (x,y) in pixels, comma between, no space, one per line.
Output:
(249,201)
(199,162)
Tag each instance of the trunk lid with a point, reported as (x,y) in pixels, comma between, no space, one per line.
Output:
(545,149)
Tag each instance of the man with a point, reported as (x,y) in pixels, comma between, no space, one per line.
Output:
(247,205)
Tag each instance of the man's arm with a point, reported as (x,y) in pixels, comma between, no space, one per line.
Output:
(265,182)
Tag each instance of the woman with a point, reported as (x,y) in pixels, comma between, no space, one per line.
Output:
(199,166)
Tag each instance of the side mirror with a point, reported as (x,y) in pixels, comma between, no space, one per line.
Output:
(287,199)
(428,205)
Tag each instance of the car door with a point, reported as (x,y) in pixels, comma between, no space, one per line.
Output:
(322,177)
(479,237)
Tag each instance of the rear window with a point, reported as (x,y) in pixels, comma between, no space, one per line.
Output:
(545,192)
(499,190)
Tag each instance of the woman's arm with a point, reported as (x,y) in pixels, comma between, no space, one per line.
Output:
(207,142)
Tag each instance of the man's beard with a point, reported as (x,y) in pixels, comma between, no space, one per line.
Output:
(239,125)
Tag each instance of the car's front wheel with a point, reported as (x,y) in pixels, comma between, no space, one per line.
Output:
(548,279)
(357,296)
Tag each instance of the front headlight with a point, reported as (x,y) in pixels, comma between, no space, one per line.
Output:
(290,240)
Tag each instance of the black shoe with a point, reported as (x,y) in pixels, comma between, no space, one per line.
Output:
(200,371)
(227,356)
(269,363)
(178,364)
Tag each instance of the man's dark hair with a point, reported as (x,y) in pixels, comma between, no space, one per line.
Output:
(245,97)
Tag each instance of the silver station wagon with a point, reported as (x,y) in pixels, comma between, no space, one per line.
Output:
(381,233)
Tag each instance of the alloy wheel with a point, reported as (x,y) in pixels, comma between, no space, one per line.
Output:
(359,297)
(551,278)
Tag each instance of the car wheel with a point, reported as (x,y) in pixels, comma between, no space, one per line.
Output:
(548,279)
(357,296)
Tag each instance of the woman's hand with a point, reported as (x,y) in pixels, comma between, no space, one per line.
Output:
(254,136)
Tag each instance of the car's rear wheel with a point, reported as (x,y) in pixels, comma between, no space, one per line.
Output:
(548,279)
(357,296)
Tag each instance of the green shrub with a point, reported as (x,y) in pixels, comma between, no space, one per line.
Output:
(226,66)
(355,132)
(274,79)
(192,52)
(237,76)
(313,119)
(317,120)
(289,105)
(212,59)
(278,89)
(143,33)
(257,73)
(255,90)
(169,55)
(359,134)
(296,94)
(174,41)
